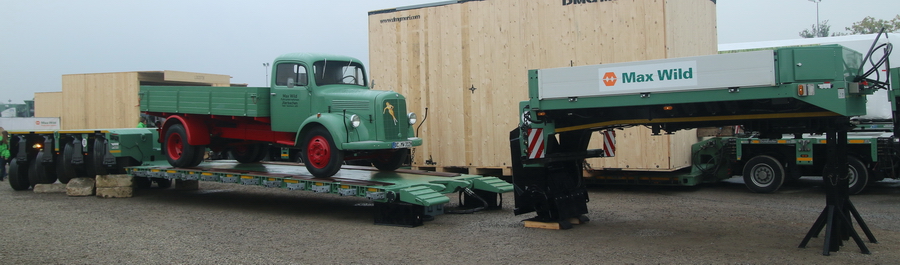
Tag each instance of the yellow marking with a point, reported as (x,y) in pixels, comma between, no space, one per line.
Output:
(246,177)
(154,170)
(823,141)
(171,171)
(782,141)
(291,181)
(695,119)
(272,179)
(804,159)
(208,174)
(755,141)
(390,109)
(284,155)
(115,151)
(857,141)
(345,187)
(372,189)
(320,184)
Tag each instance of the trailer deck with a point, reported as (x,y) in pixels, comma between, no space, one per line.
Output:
(403,197)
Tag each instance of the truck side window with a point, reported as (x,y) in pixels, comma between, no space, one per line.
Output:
(290,70)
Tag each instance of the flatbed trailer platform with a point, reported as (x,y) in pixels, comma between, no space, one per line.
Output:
(401,197)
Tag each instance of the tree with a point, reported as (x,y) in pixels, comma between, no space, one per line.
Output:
(820,31)
(870,25)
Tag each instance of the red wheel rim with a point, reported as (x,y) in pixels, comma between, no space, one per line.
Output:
(318,152)
(175,146)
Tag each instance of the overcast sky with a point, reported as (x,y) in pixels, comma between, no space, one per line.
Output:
(41,40)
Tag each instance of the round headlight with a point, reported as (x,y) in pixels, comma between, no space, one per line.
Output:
(412,118)
(354,120)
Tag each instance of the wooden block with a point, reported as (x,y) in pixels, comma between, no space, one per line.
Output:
(111,181)
(115,192)
(50,188)
(80,187)
(551,225)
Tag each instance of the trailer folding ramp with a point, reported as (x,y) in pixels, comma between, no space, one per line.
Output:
(402,197)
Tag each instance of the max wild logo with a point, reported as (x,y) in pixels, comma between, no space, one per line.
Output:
(570,2)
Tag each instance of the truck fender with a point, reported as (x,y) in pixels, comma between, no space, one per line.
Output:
(334,123)
(196,129)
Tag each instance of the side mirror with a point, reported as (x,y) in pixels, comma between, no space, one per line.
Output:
(290,82)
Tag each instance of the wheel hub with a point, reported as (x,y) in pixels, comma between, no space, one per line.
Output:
(318,152)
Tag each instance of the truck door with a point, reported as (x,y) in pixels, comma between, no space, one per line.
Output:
(290,97)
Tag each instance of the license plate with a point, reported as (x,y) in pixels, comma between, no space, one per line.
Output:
(404,144)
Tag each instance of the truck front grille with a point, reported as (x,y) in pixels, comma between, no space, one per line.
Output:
(395,130)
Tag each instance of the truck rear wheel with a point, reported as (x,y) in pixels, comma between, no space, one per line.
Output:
(250,153)
(320,154)
(178,151)
(18,176)
(390,160)
(763,174)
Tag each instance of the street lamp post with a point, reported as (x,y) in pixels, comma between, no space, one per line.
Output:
(816,28)
(266,65)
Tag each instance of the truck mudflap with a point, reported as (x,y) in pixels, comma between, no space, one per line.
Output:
(402,198)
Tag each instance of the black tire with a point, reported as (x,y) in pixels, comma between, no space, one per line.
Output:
(390,160)
(858,174)
(41,173)
(249,153)
(763,174)
(321,155)
(178,151)
(18,176)
(65,170)
(199,156)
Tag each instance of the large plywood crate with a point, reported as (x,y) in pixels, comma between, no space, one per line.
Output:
(467,63)
(110,100)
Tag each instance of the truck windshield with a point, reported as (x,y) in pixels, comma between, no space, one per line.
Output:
(339,72)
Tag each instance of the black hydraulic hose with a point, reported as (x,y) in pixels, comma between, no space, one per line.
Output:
(423,122)
(473,210)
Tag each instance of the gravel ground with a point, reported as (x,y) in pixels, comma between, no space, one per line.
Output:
(234,224)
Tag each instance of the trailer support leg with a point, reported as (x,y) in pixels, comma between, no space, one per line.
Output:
(398,214)
(834,218)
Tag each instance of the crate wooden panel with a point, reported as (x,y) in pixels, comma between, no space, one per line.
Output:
(467,63)
(51,106)
(110,100)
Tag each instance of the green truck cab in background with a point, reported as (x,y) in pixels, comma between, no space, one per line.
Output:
(320,105)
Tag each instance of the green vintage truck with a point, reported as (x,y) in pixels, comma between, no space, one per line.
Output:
(320,105)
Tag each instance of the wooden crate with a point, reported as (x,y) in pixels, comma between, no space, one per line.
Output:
(110,100)
(467,62)
(51,104)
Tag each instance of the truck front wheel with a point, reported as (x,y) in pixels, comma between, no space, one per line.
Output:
(178,151)
(390,160)
(763,174)
(320,154)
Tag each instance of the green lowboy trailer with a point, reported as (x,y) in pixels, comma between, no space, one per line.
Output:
(320,105)
(401,197)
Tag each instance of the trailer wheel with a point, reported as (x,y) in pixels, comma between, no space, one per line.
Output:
(178,151)
(390,160)
(18,176)
(858,174)
(763,174)
(250,153)
(322,157)
(41,173)
(65,170)
(141,182)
